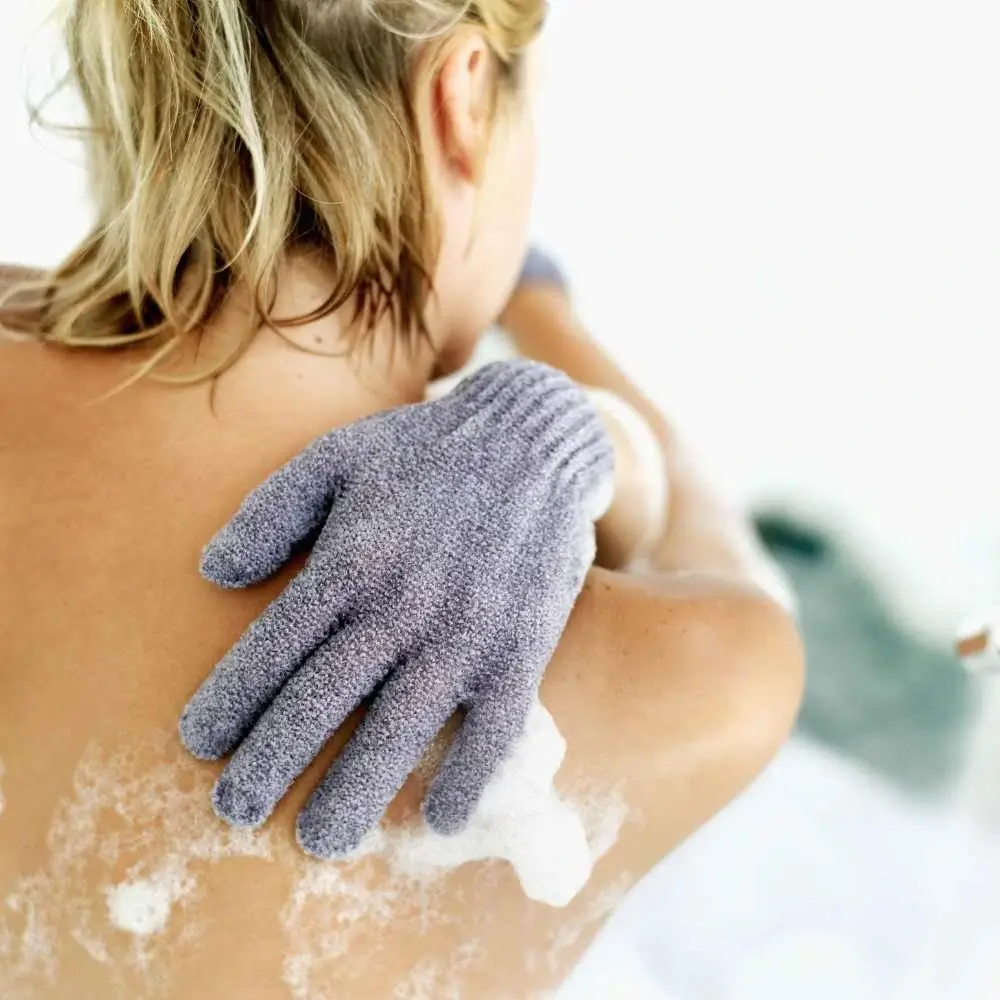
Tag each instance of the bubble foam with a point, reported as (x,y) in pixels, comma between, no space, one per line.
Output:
(398,878)
(137,831)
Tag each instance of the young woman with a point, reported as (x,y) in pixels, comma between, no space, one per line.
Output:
(307,209)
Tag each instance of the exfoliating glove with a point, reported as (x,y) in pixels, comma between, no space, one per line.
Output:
(453,540)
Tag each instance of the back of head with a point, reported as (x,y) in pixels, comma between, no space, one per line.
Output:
(222,134)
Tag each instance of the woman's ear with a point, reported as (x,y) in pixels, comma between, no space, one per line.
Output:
(463,94)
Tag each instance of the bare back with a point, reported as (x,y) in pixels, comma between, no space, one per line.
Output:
(119,880)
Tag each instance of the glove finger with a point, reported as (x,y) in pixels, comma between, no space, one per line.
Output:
(410,710)
(311,707)
(248,677)
(492,726)
(279,515)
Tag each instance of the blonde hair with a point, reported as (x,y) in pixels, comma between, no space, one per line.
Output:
(222,133)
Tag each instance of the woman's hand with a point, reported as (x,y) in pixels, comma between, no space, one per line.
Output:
(454,539)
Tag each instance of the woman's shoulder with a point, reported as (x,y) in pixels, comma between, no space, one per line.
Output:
(13,274)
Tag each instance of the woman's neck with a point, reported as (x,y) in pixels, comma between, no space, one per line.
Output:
(381,363)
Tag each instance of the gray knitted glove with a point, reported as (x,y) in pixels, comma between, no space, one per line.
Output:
(454,538)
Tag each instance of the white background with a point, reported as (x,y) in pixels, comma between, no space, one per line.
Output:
(784,219)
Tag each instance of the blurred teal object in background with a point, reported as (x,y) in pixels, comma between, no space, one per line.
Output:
(874,692)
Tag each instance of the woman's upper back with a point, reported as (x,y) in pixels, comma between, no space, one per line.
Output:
(105,631)
(119,876)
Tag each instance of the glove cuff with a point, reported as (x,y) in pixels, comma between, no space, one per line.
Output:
(542,420)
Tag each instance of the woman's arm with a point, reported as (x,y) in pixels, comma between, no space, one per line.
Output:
(702,532)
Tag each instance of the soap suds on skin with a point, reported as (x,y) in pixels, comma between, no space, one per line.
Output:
(142,907)
(596,911)
(603,813)
(149,831)
(339,908)
(439,978)
(398,877)
(520,819)
(151,825)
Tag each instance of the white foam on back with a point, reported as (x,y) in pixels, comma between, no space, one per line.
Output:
(438,978)
(339,909)
(398,878)
(521,819)
(142,907)
(597,910)
(604,813)
(153,824)
(128,849)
